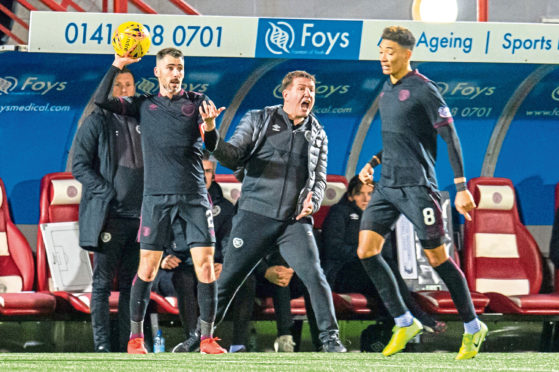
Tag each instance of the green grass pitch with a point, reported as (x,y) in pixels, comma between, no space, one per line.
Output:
(269,362)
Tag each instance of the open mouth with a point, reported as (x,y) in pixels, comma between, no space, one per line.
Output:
(305,105)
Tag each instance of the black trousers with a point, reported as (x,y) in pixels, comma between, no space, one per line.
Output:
(252,237)
(119,255)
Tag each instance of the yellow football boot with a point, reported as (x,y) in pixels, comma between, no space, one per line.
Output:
(472,343)
(401,336)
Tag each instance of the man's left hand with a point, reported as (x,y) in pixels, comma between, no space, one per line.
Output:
(464,202)
(209,113)
(307,207)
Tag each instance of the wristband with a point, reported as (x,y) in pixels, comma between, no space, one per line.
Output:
(461,186)
(374,161)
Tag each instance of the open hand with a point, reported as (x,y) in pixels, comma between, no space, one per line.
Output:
(209,113)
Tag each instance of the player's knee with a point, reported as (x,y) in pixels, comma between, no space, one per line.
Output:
(147,274)
(436,256)
(365,250)
(205,271)
(370,244)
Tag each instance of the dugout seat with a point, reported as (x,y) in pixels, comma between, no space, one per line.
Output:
(501,258)
(17,270)
(440,302)
(336,186)
(556,207)
(59,202)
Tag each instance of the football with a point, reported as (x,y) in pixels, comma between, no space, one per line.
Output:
(132,38)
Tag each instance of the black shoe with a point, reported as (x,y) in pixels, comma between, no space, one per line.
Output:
(331,342)
(102,349)
(191,344)
(437,328)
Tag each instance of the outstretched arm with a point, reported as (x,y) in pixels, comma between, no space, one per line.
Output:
(232,154)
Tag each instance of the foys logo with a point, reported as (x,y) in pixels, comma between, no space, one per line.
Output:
(30,84)
(300,38)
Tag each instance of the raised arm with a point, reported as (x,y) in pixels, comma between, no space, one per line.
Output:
(122,106)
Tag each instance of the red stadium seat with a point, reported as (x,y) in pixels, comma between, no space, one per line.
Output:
(501,258)
(59,202)
(17,270)
(557,207)
(440,302)
(335,188)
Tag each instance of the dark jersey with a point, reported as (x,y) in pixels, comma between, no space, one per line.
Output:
(171,137)
(411,111)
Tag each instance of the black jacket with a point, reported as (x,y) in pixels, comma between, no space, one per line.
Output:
(340,232)
(222,211)
(94,165)
(250,134)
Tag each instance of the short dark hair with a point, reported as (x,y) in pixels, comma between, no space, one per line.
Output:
(125,70)
(400,35)
(290,76)
(173,52)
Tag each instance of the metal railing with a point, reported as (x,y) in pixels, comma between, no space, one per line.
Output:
(119,6)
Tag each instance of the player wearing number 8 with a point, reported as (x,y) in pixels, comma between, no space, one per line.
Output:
(412,114)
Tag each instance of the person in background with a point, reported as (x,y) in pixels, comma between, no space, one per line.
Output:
(342,266)
(108,162)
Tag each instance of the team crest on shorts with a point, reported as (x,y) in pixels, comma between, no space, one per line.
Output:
(238,242)
(106,237)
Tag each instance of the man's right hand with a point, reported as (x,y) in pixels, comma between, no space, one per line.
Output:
(279,275)
(170,262)
(120,62)
(366,174)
